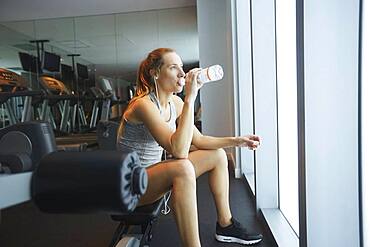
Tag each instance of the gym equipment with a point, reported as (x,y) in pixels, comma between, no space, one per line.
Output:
(70,106)
(99,97)
(57,94)
(23,145)
(16,98)
(145,217)
(51,62)
(18,105)
(10,81)
(89,182)
(110,98)
(106,133)
(53,86)
(83,182)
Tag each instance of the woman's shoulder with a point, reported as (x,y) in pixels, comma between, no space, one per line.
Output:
(139,108)
(141,102)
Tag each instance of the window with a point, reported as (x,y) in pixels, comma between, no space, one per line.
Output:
(287,110)
(245,87)
(365,117)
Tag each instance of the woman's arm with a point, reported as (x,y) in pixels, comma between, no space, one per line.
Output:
(177,143)
(181,139)
(210,142)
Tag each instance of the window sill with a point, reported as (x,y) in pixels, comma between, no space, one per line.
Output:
(280,228)
(250,179)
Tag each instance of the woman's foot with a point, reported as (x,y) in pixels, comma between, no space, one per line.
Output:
(236,233)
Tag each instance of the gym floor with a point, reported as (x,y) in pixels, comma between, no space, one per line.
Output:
(25,226)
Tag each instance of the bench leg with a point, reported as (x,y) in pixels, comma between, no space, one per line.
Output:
(120,230)
(147,234)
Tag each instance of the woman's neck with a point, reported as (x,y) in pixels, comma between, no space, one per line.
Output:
(164,98)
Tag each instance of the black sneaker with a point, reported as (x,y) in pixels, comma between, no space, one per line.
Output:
(236,233)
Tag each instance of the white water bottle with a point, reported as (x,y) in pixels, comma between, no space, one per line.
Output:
(212,73)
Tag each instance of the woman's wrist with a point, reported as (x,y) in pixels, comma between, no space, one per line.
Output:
(235,141)
(240,141)
(189,100)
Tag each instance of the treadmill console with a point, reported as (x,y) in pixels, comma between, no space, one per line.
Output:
(53,85)
(10,81)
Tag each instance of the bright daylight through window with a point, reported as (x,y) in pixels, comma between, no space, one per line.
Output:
(287,109)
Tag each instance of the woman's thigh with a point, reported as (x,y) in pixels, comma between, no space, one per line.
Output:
(206,160)
(161,176)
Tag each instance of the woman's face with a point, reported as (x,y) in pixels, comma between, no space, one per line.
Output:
(171,73)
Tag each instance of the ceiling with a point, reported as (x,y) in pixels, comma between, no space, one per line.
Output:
(17,10)
(113,43)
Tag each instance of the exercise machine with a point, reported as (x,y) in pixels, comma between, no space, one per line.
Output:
(63,182)
(15,98)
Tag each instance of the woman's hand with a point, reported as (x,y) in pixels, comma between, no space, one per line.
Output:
(191,84)
(250,141)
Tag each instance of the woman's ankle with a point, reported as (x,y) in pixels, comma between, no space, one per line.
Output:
(225,222)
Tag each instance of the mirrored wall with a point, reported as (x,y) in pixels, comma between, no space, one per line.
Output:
(95,47)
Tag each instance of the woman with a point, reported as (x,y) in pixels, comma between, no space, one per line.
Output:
(149,125)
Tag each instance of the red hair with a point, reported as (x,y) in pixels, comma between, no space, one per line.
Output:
(145,82)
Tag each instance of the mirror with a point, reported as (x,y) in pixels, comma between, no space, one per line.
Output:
(109,45)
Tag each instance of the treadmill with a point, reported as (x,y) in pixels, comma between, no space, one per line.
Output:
(15,98)
(70,108)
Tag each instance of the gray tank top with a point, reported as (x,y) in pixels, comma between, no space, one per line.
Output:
(136,137)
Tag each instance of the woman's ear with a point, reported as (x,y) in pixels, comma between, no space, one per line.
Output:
(153,73)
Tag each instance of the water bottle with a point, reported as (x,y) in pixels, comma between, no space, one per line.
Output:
(212,73)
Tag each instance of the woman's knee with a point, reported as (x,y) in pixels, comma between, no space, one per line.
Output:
(185,170)
(220,155)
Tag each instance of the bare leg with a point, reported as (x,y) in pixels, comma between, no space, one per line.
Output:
(180,175)
(185,210)
(215,161)
(176,173)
